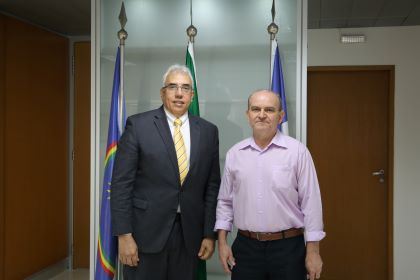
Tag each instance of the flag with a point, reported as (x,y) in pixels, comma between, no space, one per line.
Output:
(195,111)
(277,83)
(190,63)
(107,243)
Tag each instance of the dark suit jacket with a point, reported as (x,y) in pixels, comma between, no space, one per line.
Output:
(146,189)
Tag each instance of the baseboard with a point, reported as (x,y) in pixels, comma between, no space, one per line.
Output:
(50,271)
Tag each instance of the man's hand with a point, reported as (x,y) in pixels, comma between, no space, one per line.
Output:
(127,250)
(206,249)
(313,260)
(226,257)
(225,252)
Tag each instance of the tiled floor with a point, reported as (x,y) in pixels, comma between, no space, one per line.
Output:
(59,271)
(83,274)
(77,274)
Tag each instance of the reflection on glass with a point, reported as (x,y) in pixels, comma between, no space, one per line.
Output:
(231,52)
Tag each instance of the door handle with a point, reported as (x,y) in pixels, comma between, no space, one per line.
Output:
(381,174)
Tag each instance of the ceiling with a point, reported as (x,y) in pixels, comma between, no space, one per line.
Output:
(72,17)
(362,13)
(67,17)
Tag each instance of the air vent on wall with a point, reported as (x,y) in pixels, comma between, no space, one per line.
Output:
(352,39)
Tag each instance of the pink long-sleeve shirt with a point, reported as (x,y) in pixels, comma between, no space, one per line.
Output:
(271,189)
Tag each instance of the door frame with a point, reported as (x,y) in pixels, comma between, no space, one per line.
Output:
(71,201)
(76,190)
(391,105)
(2,134)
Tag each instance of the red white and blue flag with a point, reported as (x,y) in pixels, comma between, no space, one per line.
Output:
(106,259)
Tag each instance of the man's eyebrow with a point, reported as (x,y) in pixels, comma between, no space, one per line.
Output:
(265,108)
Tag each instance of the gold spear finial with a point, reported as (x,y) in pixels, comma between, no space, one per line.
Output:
(273,28)
(191,30)
(122,34)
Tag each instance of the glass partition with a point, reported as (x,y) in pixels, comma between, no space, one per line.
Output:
(232,56)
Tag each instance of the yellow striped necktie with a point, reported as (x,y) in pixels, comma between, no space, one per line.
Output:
(181,152)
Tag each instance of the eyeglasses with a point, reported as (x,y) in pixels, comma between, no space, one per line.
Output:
(173,88)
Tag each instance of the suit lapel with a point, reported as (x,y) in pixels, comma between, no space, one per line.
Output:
(161,123)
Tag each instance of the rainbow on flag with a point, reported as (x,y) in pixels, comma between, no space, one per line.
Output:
(107,243)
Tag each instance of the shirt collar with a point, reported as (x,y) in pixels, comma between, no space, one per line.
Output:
(172,118)
(278,140)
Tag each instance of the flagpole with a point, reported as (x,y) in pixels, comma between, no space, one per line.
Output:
(122,36)
(276,72)
(194,108)
(191,30)
(272,29)
(190,63)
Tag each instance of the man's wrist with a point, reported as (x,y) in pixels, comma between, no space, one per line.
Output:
(209,238)
(125,235)
(312,247)
(222,237)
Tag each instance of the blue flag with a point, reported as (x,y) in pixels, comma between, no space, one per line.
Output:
(277,83)
(107,243)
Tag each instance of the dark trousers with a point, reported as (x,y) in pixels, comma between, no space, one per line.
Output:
(173,263)
(282,259)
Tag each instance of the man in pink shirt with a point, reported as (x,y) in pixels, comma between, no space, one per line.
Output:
(270,192)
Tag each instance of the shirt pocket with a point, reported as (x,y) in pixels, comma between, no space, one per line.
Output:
(282,176)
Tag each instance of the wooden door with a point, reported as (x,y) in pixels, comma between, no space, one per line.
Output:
(81,161)
(350,120)
(35,149)
(2,133)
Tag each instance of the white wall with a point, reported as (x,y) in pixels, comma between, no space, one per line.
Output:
(399,46)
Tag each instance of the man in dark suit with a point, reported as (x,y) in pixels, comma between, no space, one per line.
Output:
(164,194)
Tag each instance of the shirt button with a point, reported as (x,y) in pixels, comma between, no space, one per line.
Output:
(260,212)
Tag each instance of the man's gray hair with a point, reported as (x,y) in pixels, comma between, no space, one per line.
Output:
(177,68)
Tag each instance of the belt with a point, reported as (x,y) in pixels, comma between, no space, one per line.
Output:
(270,236)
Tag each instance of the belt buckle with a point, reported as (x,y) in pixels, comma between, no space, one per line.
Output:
(258,236)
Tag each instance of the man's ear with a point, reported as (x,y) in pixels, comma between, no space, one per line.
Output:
(282,114)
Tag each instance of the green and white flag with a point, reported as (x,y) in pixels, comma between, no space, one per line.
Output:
(194,110)
(190,63)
